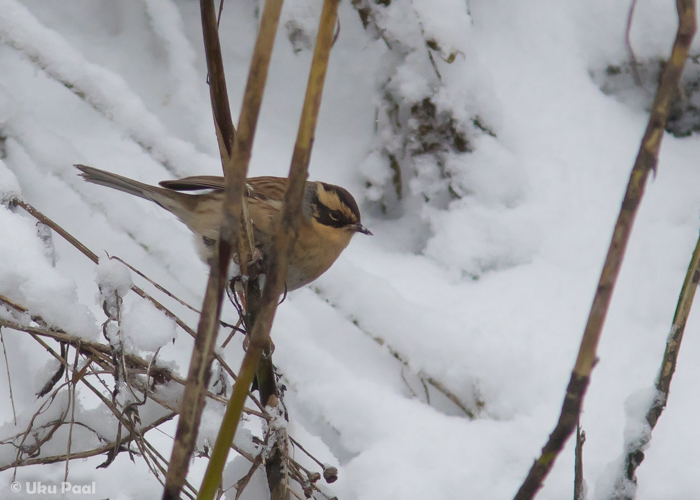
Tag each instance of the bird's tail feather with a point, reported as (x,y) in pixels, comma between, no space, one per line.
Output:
(170,200)
(114,181)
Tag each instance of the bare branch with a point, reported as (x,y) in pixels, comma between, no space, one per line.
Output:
(235,149)
(283,242)
(636,444)
(9,378)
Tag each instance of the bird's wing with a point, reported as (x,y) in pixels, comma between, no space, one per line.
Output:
(265,195)
(195,183)
(270,189)
(267,189)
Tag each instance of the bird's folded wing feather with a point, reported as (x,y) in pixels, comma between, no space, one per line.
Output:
(194,183)
(270,189)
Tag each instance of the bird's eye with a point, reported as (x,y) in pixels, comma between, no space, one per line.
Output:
(334,215)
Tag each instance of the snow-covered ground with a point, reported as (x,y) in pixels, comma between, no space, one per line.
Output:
(479,278)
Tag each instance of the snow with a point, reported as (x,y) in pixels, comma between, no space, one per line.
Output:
(146,328)
(113,277)
(10,186)
(27,277)
(478,278)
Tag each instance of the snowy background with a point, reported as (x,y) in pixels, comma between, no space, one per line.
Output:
(485,258)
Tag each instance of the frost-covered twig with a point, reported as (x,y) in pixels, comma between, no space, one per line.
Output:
(102,354)
(646,162)
(71,403)
(79,455)
(138,291)
(416,133)
(167,292)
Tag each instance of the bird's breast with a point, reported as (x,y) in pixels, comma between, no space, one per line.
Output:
(316,249)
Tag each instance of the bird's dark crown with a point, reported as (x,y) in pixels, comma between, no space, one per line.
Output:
(334,206)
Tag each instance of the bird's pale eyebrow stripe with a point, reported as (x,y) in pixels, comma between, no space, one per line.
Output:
(331,199)
(328,198)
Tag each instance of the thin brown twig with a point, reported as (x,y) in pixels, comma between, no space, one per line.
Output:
(71,399)
(233,332)
(298,445)
(166,291)
(87,453)
(40,440)
(628,45)
(243,482)
(163,468)
(65,234)
(636,444)
(579,488)
(646,162)
(102,352)
(141,293)
(9,377)
(452,397)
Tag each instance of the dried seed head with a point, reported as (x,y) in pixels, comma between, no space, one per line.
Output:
(330,474)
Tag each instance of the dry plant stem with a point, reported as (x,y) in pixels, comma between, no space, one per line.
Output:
(135,435)
(635,455)
(71,398)
(646,161)
(88,453)
(9,378)
(79,376)
(628,44)
(101,353)
(138,291)
(235,149)
(164,290)
(282,243)
(65,234)
(579,493)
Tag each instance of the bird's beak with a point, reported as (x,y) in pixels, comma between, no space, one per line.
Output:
(359,228)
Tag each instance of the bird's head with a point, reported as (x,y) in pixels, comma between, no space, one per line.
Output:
(335,211)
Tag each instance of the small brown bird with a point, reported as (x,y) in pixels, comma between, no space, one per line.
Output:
(330,216)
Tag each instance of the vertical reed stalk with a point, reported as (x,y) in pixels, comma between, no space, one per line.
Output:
(283,243)
(235,149)
(646,161)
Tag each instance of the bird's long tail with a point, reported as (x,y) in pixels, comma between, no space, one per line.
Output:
(170,200)
(114,181)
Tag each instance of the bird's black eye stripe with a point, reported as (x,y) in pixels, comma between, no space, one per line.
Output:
(332,218)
